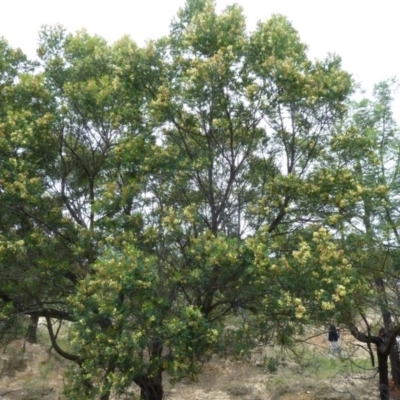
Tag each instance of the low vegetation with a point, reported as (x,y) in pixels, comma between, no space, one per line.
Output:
(30,371)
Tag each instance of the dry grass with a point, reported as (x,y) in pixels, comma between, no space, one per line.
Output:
(29,371)
(306,373)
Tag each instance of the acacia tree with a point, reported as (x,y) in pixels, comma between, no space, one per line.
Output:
(369,226)
(186,181)
(241,123)
(31,232)
(63,137)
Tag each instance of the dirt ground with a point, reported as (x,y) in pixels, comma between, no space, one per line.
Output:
(37,374)
(30,372)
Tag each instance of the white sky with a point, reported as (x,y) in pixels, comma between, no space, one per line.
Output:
(364,33)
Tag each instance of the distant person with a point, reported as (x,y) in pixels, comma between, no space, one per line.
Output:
(397,344)
(333,338)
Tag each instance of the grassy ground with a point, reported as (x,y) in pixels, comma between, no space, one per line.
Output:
(307,371)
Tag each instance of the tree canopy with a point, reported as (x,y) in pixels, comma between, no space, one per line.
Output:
(149,193)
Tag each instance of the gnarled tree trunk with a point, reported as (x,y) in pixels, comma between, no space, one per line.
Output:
(150,387)
(384,349)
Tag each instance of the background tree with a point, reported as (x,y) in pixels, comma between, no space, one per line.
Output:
(29,217)
(369,227)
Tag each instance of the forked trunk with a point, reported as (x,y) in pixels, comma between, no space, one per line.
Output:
(150,387)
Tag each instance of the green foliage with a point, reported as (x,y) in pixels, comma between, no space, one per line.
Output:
(129,326)
(147,194)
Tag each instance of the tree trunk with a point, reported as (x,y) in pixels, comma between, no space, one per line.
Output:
(387,318)
(150,388)
(395,364)
(385,347)
(383,375)
(31,334)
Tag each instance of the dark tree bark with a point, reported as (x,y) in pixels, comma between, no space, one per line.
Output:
(57,348)
(151,388)
(388,323)
(395,365)
(31,334)
(384,349)
(383,375)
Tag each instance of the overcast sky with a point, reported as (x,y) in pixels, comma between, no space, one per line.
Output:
(364,34)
